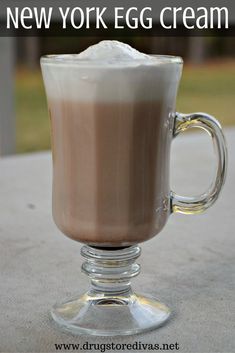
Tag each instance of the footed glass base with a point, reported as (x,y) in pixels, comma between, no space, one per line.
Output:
(110,308)
(110,316)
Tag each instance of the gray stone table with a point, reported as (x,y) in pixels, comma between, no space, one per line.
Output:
(189,266)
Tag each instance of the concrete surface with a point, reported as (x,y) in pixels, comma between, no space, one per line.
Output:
(189,266)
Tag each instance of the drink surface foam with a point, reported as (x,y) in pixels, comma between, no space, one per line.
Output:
(109,71)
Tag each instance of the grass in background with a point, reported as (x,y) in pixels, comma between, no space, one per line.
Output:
(32,122)
(209,88)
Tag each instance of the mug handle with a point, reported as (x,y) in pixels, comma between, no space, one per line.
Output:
(198,204)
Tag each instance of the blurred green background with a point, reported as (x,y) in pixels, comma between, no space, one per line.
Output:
(208,83)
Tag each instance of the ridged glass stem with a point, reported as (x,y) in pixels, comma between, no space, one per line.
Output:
(110,271)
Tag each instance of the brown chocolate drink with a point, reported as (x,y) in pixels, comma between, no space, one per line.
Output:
(111,131)
(110,165)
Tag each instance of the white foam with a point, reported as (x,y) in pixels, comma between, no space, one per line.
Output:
(112,50)
(110,71)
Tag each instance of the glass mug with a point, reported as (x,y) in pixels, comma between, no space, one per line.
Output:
(112,124)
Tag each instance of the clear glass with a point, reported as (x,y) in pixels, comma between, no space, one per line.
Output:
(198,204)
(110,307)
(112,126)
